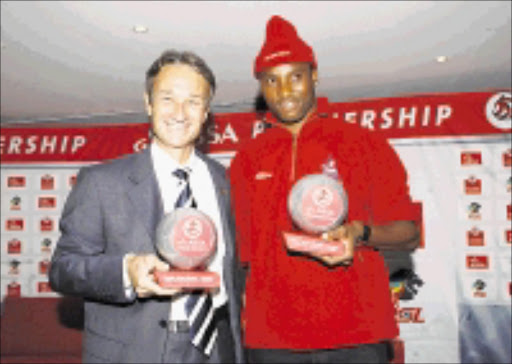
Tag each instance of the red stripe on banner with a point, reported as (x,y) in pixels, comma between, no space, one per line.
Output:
(67,143)
(458,114)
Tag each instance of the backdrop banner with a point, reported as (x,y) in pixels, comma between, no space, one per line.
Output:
(459,114)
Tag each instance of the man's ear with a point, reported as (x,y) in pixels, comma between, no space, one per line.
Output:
(206,112)
(147,104)
(314,76)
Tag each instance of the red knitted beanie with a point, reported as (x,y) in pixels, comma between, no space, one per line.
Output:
(282,45)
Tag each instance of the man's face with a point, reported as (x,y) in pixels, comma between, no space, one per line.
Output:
(289,90)
(178,106)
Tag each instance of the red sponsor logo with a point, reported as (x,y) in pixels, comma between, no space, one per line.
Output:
(507,158)
(509,212)
(44,287)
(46,224)
(14,246)
(477,262)
(15,224)
(473,186)
(16,181)
(46,202)
(14,289)
(72,180)
(475,237)
(470,158)
(44,265)
(508,236)
(47,182)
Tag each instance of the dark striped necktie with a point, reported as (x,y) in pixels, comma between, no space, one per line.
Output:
(199,305)
(185,198)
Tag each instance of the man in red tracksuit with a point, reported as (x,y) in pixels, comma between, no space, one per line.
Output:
(302,308)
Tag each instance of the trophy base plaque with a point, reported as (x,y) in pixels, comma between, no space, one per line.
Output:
(184,279)
(311,244)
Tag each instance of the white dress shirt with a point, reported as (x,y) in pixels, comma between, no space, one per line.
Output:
(204,193)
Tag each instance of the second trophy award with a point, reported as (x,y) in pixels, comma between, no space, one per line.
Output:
(317,203)
(187,240)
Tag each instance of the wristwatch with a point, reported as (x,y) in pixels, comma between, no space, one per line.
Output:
(367,231)
(363,239)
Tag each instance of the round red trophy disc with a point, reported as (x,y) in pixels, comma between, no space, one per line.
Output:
(318,203)
(187,239)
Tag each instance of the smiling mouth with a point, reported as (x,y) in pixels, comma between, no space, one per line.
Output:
(172,124)
(288,105)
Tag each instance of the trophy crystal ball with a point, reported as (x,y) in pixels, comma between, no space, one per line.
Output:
(317,203)
(187,239)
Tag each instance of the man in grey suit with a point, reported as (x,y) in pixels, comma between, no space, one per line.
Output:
(106,252)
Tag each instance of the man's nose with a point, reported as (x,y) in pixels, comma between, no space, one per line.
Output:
(285,88)
(180,111)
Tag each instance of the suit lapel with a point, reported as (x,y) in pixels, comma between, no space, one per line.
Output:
(144,193)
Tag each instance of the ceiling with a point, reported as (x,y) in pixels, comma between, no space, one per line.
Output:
(81,59)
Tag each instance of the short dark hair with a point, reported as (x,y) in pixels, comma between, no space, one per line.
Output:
(173,56)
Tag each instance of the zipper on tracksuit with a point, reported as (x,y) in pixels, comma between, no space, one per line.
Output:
(293,157)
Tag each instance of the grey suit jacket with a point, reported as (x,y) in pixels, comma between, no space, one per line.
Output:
(114,209)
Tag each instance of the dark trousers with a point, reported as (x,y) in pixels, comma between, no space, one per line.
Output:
(179,349)
(366,353)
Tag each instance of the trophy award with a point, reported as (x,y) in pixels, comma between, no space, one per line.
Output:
(187,239)
(317,203)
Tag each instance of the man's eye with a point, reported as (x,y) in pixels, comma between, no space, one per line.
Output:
(297,77)
(271,81)
(195,102)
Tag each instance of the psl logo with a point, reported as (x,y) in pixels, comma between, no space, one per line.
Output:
(16,203)
(46,244)
(474,211)
(14,267)
(140,144)
(499,110)
(478,288)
